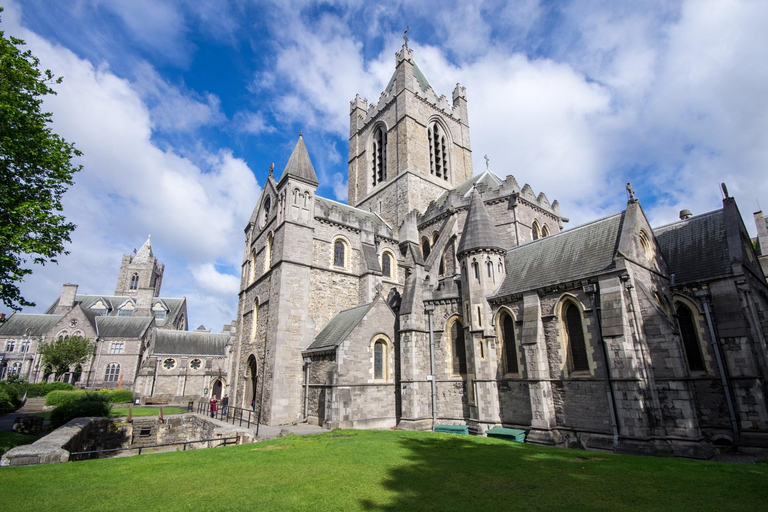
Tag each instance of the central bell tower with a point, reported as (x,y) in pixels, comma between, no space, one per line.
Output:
(408,148)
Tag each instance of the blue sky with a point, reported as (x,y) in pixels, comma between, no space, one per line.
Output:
(180,106)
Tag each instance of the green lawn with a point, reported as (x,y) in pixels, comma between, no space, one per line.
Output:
(10,440)
(120,412)
(388,470)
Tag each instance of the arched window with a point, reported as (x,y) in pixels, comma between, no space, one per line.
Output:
(489,269)
(267,207)
(425,247)
(476,270)
(379,155)
(112,372)
(685,320)
(508,343)
(441,268)
(16,369)
(535,230)
(386,265)
(268,253)
(577,348)
(339,253)
(379,361)
(255,319)
(646,245)
(457,346)
(134,282)
(545,230)
(252,277)
(438,155)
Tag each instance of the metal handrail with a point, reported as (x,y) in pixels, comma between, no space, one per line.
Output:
(75,456)
(232,415)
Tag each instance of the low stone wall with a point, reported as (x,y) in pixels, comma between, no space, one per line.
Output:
(84,434)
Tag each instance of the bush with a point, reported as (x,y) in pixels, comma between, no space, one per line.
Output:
(57,386)
(10,396)
(84,406)
(114,396)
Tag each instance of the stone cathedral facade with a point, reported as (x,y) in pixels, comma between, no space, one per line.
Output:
(612,335)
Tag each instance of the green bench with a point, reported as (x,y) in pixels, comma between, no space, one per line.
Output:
(452,429)
(508,434)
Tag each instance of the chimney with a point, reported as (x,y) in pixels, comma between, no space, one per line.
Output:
(67,299)
(144,301)
(685,214)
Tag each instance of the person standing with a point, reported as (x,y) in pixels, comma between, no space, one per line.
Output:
(224,405)
(213,406)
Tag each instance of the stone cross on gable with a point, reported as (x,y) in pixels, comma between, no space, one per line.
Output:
(487,160)
(631,192)
(405,36)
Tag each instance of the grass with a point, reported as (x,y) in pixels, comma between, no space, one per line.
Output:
(120,412)
(388,470)
(10,440)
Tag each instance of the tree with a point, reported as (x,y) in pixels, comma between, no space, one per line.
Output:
(35,170)
(64,353)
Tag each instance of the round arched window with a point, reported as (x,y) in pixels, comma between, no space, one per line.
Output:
(169,363)
(196,364)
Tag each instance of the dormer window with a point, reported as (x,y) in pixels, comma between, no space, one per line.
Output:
(438,156)
(134,282)
(159,312)
(100,308)
(126,309)
(379,154)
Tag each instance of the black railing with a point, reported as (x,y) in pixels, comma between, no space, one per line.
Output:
(96,454)
(229,414)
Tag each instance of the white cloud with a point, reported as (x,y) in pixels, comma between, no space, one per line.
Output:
(340,189)
(253,123)
(214,281)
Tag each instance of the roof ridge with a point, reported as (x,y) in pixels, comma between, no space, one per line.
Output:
(681,221)
(565,232)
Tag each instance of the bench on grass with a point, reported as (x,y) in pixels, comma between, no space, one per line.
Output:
(508,434)
(452,429)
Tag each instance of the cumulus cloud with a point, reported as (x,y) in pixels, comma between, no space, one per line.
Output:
(214,281)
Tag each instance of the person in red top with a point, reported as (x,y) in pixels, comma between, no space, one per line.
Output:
(213,406)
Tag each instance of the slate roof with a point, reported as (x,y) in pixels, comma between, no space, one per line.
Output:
(122,326)
(566,256)
(190,343)
(487,178)
(361,215)
(417,72)
(114,301)
(371,258)
(339,327)
(18,323)
(683,245)
(299,165)
(479,230)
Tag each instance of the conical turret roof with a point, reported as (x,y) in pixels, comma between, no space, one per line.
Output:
(299,165)
(479,231)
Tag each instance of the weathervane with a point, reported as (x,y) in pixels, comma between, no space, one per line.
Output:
(487,160)
(405,36)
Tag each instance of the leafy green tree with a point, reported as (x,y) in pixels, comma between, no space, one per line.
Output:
(65,353)
(35,170)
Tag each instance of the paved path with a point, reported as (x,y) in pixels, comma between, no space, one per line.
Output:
(266,432)
(32,406)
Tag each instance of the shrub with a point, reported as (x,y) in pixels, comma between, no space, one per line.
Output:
(114,396)
(10,396)
(57,386)
(62,397)
(84,406)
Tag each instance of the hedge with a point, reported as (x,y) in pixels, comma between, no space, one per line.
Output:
(84,406)
(43,388)
(115,396)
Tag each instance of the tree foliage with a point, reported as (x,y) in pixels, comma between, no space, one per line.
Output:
(35,170)
(66,353)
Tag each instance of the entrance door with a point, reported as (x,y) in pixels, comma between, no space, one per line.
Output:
(217,389)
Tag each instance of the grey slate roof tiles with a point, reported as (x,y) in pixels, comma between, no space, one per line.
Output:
(190,343)
(299,165)
(113,302)
(566,256)
(122,326)
(696,248)
(337,329)
(371,258)
(38,325)
(487,178)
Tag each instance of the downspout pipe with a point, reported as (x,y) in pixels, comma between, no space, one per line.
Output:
(307,362)
(721,368)
(595,291)
(430,308)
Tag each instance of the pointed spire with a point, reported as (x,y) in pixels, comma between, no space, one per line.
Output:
(479,231)
(299,165)
(145,252)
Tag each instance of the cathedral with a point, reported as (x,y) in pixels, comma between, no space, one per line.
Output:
(438,296)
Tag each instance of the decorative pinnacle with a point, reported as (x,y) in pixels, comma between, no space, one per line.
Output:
(487,160)
(301,135)
(271,168)
(405,36)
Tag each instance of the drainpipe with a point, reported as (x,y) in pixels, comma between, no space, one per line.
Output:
(307,362)
(721,368)
(429,309)
(594,290)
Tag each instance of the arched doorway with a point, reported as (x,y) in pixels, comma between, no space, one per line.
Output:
(217,389)
(251,379)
